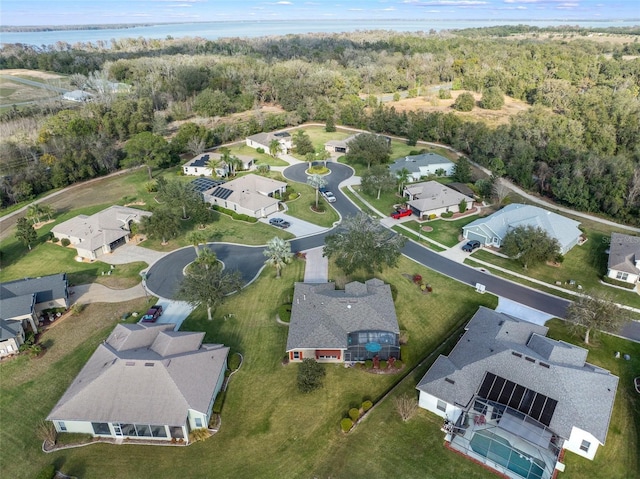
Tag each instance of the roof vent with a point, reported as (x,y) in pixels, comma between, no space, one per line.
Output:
(544,365)
(450,381)
(130,363)
(531,360)
(149,365)
(516,354)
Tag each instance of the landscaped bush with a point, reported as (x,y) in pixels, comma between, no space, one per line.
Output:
(432,216)
(447,214)
(368,364)
(417,278)
(260,150)
(383,365)
(54,239)
(310,375)
(366,405)
(263,169)
(398,364)
(217,405)
(394,292)
(65,242)
(284,312)
(617,282)
(234,361)
(354,414)
(48,472)
(346,424)
(199,434)
(234,215)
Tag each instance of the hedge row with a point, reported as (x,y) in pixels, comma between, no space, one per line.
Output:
(234,215)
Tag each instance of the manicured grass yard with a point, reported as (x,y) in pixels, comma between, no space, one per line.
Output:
(445,232)
(585,264)
(301,207)
(262,158)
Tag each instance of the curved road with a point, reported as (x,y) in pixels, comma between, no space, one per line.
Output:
(164,276)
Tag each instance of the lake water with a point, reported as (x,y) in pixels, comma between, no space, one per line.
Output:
(216,30)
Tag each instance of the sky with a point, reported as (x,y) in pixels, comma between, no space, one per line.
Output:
(84,12)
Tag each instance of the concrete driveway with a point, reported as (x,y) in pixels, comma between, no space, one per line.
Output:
(174,312)
(298,227)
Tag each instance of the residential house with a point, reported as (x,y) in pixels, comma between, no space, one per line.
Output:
(263,140)
(433,198)
(426,164)
(22,300)
(331,325)
(79,96)
(490,231)
(624,258)
(99,234)
(144,382)
(198,166)
(250,194)
(513,399)
(11,337)
(342,146)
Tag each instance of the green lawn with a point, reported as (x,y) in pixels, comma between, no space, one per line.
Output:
(301,207)
(585,264)
(261,158)
(419,239)
(445,232)
(358,202)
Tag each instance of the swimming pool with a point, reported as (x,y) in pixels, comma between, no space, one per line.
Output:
(500,451)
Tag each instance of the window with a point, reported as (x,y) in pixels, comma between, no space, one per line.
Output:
(198,422)
(585,446)
(622,276)
(296,355)
(101,428)
(62,426)
(442,406)
(158,431)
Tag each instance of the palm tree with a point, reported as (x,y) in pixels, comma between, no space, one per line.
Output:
(322,155)
(278,254)
(196,238)
(274,147)
(180,194)
(213,163)
(317,182)
(36,210)
(234,163)
(403,176)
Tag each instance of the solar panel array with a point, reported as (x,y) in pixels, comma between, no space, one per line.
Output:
(202,161)
(204,184)
(222,193)
(500,390)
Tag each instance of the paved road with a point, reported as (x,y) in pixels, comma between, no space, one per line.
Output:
(165,275)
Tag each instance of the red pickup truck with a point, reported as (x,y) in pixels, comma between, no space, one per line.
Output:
(401,213)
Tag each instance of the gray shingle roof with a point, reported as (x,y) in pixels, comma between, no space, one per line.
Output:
(144,374)
(102,228)
(585,393)
(414,162)
(624,252)
(431,195)
(16,297)
(9,329)
(565,230)
(322,317)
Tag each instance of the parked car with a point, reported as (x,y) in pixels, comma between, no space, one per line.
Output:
(279,223)
(329,196)
(152,315)
(401,213)
(471,246)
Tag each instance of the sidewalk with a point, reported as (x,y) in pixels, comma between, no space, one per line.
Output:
(316,269)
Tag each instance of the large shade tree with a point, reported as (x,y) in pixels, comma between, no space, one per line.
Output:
(208,284)
(378,179)
(278,253)
(369,149)
(148,149)
(164,223)
(595,311)
(361,243)
(179,193)
(530,245)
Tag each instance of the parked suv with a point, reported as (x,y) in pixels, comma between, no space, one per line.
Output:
(152,315)
(470,246)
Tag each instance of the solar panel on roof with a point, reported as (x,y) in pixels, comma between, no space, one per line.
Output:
(204,184)
(222,193)
(536,405)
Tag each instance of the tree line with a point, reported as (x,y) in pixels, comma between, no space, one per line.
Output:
(578,143)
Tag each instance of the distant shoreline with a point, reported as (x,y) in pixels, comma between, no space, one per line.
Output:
(123,26)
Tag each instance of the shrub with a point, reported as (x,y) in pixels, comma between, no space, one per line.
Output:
(284,312)
(432,216)
(199,434)
(396,96)
(151,186)
(77,308)
(65,242)
(462,206)
(464,102)
(217,405)
(383,364)
(366,405)
(368,364)
(234,361)
(354,414)
(54,239)
(406,406)
(617,282)
(447,214)
(46,431)
(394,292)
(346,424)
(263,169)
(234,215)
(417,278)
(310,374)
(444,94)
(48,472)
(398,364)
(292,196)
(260,150)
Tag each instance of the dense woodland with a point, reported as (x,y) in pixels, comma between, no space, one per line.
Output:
(578,143)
